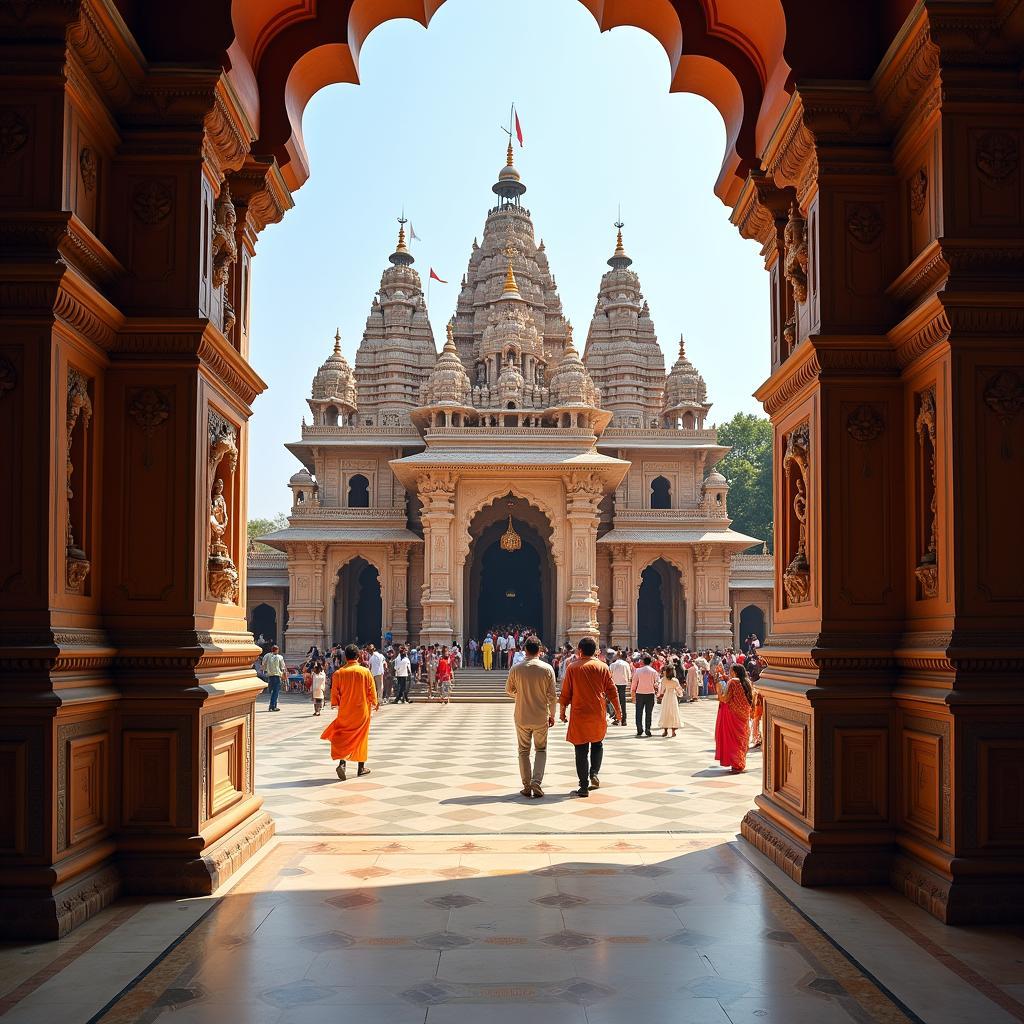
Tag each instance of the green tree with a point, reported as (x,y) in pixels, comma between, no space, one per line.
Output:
(258,527)
(748,468)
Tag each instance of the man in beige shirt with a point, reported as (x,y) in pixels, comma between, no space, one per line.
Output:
(531,684)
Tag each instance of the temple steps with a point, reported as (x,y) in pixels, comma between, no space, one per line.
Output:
(473,686)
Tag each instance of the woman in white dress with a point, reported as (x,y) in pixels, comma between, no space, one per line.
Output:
(669,691)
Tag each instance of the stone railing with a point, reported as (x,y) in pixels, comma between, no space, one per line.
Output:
(666,515)
(340,431)
(321,512)
(658,433)
(754,563)
(436,433)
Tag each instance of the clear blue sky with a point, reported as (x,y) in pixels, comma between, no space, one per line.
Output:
(423,129)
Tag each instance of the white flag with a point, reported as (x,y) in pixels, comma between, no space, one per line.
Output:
(413,237)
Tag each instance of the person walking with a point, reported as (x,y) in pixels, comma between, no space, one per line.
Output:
(319,688)
(642,689)
(355,697)
(588,684)
(531,684)
(732,727)
(622,674)
(377,666)
(274,669)
(669,692)
(692,682)
(403,670)
(487,651)
(445,675)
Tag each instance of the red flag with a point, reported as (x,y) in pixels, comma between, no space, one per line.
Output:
(434,277)
(519,129)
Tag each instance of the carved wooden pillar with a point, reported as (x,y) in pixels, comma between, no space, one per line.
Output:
(622,564)
(437,492)
(584,495)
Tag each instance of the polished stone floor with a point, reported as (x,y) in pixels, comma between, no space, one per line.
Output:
(564,924)
(453,770)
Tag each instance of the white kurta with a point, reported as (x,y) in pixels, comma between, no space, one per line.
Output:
(670,693)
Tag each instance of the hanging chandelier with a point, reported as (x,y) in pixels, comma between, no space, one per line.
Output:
(510,540)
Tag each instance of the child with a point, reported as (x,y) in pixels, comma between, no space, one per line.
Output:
(319,688)
(444,676)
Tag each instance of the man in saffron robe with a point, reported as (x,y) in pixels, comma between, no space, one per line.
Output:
(588,686)
(355,696)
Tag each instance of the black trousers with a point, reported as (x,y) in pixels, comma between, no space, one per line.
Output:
(588,761)
(401,688)
(622,702)
(644,709)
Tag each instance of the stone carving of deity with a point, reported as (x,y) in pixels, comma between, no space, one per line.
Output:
(218,518)
(800,511)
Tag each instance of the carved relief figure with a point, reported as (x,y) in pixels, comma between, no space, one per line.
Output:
(225,249)
(796,578)
(79,409)
(927,570)
(796,254)
(221,575)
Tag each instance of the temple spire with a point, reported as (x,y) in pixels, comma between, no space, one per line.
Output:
(619,260)
(401,256)
(511,289)
(509,186)
(337,341)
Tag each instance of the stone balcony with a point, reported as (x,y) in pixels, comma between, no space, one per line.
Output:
(307,512)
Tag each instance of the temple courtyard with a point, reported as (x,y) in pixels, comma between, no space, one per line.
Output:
(430,892)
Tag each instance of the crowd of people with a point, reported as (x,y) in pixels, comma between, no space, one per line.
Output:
(396,669)
(595,686)
(500,647)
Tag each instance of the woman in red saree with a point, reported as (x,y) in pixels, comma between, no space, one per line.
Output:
(732,729)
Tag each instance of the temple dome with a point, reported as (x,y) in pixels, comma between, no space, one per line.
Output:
(301,477)
(715,479)
(684,387)
(511,382)
(335,381)
(570,383)
(448,383)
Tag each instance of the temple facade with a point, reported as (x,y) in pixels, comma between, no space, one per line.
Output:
(507,478)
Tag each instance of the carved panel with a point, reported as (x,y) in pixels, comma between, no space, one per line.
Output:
(1001,792)
(150,768)
(922,782)
(861,774)
(995,185)
(787,766)
(226,760)
(70,802)
(13,764)
(87,787)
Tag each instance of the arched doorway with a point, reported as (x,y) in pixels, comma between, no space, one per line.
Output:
(510,587)
(660,606)
(358,492)
(263,623)
(358,604)
(752,621)
(661,493)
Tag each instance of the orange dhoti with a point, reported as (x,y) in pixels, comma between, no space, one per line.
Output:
(354,695)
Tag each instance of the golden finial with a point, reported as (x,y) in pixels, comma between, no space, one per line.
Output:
(511,288)
(401,233)
(449,345)
(508,155)
(337,341)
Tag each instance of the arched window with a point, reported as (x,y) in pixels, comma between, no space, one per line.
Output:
(661,493)
(358,491)
(688,421)
(330,416)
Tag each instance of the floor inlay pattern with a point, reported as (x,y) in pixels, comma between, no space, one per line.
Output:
(419,946)
(453,770)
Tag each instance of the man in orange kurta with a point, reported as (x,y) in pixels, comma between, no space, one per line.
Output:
(587,686)
(355,696)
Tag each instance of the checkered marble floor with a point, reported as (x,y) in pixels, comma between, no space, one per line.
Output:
(453,771)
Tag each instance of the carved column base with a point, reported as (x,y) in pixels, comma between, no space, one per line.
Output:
(181,872)
(819,858)
(39,914)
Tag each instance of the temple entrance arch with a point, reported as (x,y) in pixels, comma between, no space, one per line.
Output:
(509,586)
(358,604)
(661,606)
(263,622)
(752,621)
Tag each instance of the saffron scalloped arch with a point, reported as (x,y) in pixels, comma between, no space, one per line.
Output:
(728,51)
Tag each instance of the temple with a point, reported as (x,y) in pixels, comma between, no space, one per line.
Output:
(508,479)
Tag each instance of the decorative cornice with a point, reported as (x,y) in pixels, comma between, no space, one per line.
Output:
(909,68)
(104,48)
(926,327)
